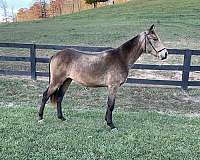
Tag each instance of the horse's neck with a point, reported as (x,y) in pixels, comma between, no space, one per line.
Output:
(132,49)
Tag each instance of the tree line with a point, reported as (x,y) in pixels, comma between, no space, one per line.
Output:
(9,15)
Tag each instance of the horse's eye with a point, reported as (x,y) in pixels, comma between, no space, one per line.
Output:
(155,39)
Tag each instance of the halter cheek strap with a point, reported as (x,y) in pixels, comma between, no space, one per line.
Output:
(145,42)
(146,37)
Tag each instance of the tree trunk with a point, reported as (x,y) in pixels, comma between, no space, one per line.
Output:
(4,6)
(95,4)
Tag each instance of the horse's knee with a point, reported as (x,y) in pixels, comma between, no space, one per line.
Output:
(111,103)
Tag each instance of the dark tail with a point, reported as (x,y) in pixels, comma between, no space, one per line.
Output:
(53,98)
(49,68)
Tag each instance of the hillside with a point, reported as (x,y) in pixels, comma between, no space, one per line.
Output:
(177,22)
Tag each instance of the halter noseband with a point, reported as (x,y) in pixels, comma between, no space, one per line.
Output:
(146,37)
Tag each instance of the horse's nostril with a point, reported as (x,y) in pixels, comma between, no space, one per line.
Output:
(165,54)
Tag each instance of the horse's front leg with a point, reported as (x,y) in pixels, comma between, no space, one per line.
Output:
(112,90)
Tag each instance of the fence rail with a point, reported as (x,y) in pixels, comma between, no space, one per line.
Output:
(186,68)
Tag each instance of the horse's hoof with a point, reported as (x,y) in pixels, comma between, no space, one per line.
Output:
(114,129)
(62,118)
(40,120)
(111,125)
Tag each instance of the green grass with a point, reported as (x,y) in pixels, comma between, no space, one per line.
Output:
(143,133)
(177,22)
(84,136)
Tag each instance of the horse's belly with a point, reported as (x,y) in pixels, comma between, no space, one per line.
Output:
(90,83)
(90,80)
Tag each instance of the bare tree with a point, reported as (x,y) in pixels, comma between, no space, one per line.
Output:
(4,6)
(43,4)
(13,16)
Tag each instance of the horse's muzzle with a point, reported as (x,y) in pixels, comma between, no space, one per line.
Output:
(163,54)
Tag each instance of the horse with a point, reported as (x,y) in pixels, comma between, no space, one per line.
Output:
(108,68)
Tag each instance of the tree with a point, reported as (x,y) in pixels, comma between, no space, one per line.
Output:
(4,6)
(13,16)
(43,8)
(43,5)
(94,2)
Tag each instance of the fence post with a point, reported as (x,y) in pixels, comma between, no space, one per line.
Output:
(33,61)
(186,69)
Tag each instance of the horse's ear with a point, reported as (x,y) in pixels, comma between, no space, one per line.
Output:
(152,28)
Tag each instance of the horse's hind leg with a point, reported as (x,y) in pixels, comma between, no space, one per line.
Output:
(60,96)
(49,91)
(41,109)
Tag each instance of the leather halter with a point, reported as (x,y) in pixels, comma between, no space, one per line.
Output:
(146,38)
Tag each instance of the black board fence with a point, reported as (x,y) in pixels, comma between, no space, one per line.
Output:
(186,68)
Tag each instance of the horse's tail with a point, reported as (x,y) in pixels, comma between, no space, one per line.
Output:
(49,69)
(53,98)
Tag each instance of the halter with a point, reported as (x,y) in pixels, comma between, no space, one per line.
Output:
(146,38)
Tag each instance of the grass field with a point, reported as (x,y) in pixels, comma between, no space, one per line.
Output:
(152,123)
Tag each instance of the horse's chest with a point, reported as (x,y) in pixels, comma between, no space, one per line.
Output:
(117,75)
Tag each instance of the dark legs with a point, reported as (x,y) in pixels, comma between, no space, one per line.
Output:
(61,93)
(41,109)
(59,101)
(108,117)
(52,89)
(111,102)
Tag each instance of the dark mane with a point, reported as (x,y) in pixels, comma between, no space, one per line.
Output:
(127,46)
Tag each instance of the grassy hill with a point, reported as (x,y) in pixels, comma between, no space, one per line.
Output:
(177,22)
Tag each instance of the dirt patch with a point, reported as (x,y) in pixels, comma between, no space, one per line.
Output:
(172,113)
(195,99)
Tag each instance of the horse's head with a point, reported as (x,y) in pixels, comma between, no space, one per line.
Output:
(153,44)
